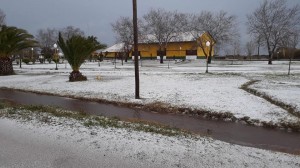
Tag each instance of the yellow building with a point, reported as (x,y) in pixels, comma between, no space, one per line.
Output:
(184,47)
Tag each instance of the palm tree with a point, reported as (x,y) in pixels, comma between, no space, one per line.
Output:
(76,50)
(12,40)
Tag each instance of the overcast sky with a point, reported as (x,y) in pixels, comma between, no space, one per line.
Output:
(94,17)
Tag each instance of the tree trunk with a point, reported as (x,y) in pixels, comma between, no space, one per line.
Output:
(270,55)
(6,67)
(161,55)
(209,60)
(209,54)
(126,56)
(270,62)
(290,61)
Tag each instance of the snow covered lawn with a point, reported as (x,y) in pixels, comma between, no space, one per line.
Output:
(179,84)
(75,145)
(182,84)
(282,88)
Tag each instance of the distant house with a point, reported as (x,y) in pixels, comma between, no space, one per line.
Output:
(185,46)
(286,53)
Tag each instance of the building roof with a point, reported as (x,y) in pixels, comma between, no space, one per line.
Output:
(181,37)
(178,37)
(119,47)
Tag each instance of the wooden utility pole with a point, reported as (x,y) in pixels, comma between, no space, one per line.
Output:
(136,59)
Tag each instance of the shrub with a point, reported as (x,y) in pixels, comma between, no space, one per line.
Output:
(26,60)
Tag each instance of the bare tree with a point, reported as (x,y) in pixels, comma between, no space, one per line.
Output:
(47,37)
(123,28)
(259,43)
(2,17)
(70,31)
(288,45)
(250,48)
(163,27)
(220,26)
(236,48)
(273,21)
(291,39)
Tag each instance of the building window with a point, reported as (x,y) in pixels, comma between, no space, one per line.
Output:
(191,52)
(161,52)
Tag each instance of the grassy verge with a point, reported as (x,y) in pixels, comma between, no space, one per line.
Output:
(289,108)
(46,114)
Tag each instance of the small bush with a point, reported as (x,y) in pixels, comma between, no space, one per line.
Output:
(26,60)
(49,60)
(55,60)
(2,105)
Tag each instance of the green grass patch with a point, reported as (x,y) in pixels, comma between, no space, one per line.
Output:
(46,114)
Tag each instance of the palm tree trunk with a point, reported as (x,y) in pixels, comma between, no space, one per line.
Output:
(6,67)
(75,75)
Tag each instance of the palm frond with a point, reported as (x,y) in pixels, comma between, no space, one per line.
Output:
(77,48)
(13,39)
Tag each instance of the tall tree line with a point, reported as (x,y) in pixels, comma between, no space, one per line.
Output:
(48,37)
(273,24)
(162,26)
